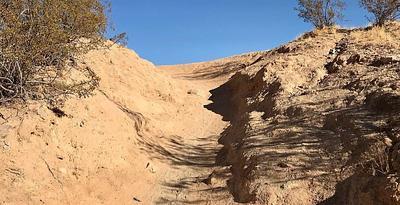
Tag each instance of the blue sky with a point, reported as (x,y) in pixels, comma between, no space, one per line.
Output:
(185,31)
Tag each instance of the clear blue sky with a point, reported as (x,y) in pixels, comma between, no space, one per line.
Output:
(184,31)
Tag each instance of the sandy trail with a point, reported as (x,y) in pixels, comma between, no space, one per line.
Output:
(189,154)
(177,135)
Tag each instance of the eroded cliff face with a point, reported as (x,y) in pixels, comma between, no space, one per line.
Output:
(316,112)
(315,121)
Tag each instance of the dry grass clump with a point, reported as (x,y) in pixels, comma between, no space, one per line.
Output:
(327,31)
(375,36)
(38,38)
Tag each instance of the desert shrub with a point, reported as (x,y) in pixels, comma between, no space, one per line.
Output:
(382,10)
(39,37)
(321,13)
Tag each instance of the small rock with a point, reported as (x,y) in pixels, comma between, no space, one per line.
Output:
(285,49)
(283,186)
(82,123)
(210,180)
(150,168)
(388,142)
(353,59)
(394,86)
(332,67)
(6,145)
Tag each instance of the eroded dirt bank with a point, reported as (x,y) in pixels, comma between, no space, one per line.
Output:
(315,121)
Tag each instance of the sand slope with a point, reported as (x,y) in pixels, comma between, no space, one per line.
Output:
(139,134)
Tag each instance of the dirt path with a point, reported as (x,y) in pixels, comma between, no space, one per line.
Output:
(189,155)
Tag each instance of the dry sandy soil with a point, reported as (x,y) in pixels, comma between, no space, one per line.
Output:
(316,121)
